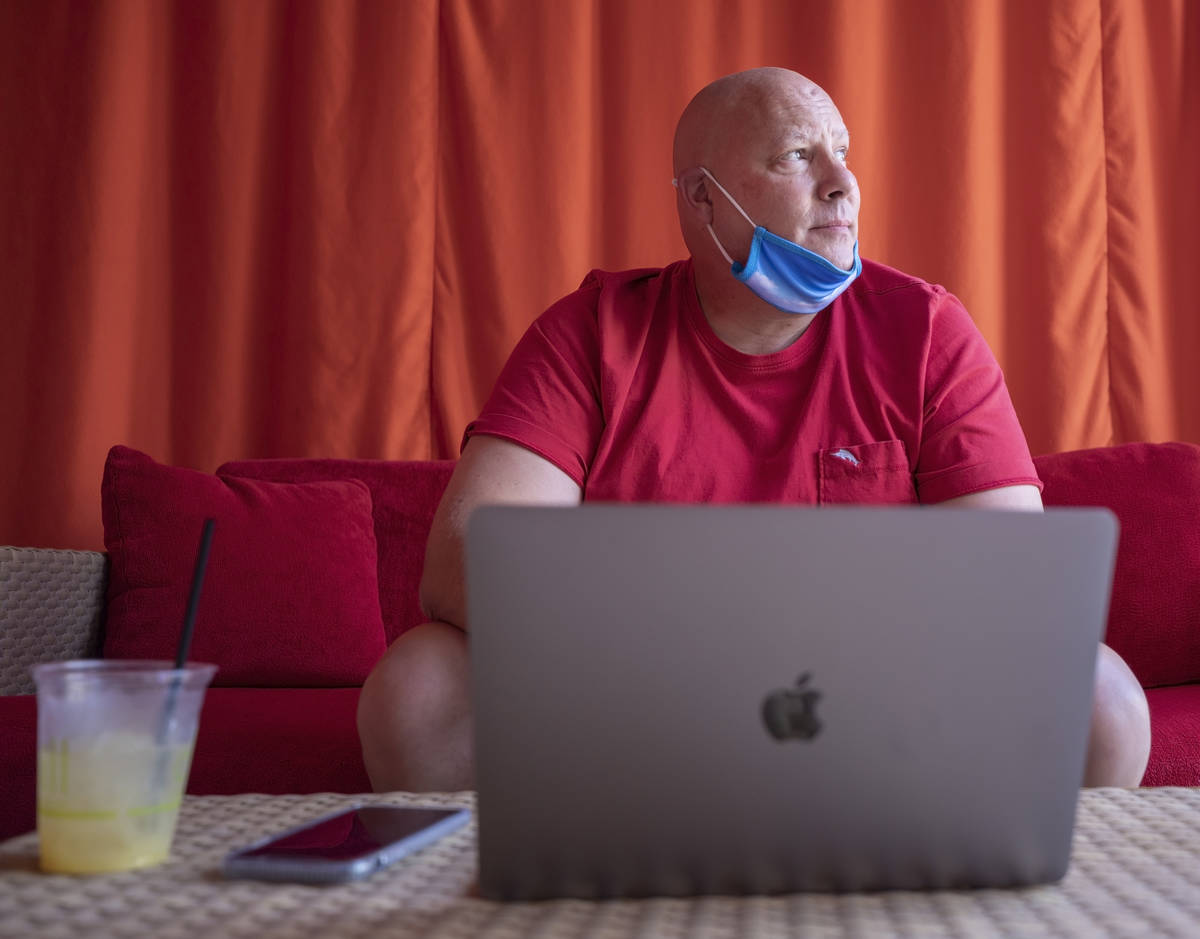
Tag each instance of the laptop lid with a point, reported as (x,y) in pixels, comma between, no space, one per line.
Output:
(681,700)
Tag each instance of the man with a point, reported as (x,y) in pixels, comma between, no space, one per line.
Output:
(772,365)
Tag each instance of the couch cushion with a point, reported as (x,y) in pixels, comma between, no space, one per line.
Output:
(290,596)
(1174,736)
(18,764)
(404,495)
(278,740)
(1154,489)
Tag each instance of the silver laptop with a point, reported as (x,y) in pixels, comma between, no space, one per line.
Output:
(684,700)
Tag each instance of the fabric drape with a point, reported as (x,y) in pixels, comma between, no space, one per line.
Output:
(235,230)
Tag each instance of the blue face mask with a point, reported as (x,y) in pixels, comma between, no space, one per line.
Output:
(782,272)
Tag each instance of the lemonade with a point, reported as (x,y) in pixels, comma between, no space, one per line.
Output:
(115,741)
(108,803)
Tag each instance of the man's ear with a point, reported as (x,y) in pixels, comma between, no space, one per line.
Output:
(695,194)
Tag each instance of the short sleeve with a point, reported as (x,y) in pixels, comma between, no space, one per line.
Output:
(971,439)
(547,398)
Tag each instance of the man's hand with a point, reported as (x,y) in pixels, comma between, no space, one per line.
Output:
(490,471)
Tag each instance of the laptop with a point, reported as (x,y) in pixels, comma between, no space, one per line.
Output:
(679,700)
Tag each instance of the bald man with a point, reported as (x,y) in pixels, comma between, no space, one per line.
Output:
(771,365)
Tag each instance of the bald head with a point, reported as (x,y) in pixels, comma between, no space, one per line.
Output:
(724,112)
(763,148)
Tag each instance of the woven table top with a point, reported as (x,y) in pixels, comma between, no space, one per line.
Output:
(1135,871)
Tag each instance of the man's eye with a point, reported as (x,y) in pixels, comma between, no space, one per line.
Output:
(843,154)
(796,155)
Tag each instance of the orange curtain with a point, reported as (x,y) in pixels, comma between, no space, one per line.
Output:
(236,229)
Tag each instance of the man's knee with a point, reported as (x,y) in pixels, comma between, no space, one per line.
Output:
(414,712)
(1119,744)
(419,664)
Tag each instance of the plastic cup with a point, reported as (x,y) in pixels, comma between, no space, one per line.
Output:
(115,745)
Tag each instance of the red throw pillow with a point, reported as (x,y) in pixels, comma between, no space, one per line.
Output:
(290,594)
(1154,489)
(404,493)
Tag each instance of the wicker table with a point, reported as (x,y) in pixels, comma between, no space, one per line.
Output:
(1135,871)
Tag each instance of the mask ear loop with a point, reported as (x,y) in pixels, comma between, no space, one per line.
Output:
(734,203)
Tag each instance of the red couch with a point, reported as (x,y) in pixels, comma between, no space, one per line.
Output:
(283,717)
(1154,617)
(275,731)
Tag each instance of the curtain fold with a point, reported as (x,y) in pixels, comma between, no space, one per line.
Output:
(317,228)
(1151,87)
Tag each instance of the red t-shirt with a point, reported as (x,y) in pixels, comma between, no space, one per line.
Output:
(891,395)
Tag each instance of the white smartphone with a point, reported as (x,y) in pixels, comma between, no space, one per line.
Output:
(343,846)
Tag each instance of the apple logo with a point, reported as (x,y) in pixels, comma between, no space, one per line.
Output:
(790,713)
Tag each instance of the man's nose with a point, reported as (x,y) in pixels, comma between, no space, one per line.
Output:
(836,181)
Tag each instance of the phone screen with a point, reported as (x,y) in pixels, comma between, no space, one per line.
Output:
(352,834)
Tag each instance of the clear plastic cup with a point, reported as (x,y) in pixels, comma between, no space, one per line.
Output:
(115,742)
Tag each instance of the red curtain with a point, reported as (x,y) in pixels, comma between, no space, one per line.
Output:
(236,229)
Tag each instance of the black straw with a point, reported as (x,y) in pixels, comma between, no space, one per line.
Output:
(189,619)
(181,653)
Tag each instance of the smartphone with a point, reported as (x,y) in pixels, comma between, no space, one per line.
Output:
(346,845)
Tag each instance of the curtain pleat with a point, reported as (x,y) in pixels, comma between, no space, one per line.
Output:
(1151,88)
(317,228)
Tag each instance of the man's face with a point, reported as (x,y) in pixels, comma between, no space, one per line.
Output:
(785,163)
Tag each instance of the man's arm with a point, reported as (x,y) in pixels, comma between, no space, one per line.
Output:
(1026,498)
(1119,741)
(493,471)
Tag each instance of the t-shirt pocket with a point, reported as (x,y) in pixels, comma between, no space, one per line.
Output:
(865,474)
